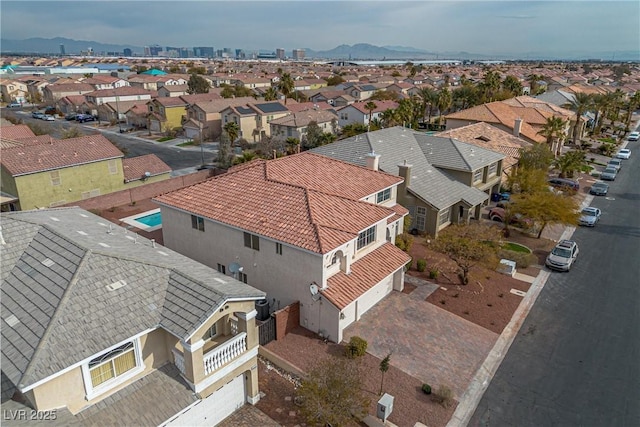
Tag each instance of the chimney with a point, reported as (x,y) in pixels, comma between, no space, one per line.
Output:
(404,170)
(517,125)
(373,160)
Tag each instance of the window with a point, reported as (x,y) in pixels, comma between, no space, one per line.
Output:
(252,241)
(242,277)
(197,222)
(477,175)
(113,166)
(493,169)
(55,178)
(222,269)
(383,196)
(334,259)
(112,364)
(367,237)
(211,333)
(421,218)
(444,216)
(279,248)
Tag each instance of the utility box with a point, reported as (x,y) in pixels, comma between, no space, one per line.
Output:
(385,406)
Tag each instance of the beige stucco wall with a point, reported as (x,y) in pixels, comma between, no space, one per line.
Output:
(69,390)
(152,179)
(36,190)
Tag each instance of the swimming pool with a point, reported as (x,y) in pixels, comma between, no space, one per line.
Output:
(145,221)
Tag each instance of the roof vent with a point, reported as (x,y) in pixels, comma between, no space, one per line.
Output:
(104,245)
(116,285)
(12,320)
(48,262)
(53,218)
(163,253)
(217,279)
(82,233)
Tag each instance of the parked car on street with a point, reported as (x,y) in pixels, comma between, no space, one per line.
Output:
(48,118)
(564,183)
(563,256)
(634,136)
(85,118)
(70,116)
(624,153)
(37,115)
(589,216)
(609,174)
(599,189)
(616,163)
(14,105)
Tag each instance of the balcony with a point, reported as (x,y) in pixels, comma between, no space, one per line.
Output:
(224,353)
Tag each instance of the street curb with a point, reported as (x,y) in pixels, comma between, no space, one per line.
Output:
(471,398)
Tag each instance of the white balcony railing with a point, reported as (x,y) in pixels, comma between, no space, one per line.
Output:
(225,353)
(179,360)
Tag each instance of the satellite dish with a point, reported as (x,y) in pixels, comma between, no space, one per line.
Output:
(234,267)
(148,174)
(313,288)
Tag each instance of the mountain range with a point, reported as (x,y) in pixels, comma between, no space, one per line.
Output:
(360,51)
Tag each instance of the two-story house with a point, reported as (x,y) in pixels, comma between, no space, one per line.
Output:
(295,124)
(52,93)
(102,326)
(304,228)
(166,113)
(203,117)
(253,119)
(453,191)
(47,173)
(357,112)
(14,91)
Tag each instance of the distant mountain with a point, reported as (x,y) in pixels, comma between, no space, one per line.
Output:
(45,46)
(363,51)
(405,49)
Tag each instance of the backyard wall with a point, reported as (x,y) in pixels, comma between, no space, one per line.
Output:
(287,319)
(143,192)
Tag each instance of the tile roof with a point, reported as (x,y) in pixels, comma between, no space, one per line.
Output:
(57,309)
(58,154)
(120,91)
(136,167)
(397,145)
(302,106)
(492,138)
(380,106)
(342,289)
(170,101)
(217,105)
(305,200)
(16,131)
(70,87)
(303,118)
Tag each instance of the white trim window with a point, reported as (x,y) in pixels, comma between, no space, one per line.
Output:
(367,237)
(444,216)
(421,218)
(493,169)
(383,195)
(477,175)
(111,368)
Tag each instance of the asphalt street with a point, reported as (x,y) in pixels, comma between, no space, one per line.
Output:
(176,157)
(576,359)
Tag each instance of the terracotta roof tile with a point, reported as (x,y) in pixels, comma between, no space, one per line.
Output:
(305,200)
(58,154)
(135,167)
(342,289)
(16,131)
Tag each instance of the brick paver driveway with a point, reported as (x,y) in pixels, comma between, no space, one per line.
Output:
(427,342)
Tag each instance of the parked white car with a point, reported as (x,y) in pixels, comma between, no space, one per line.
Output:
(624,153)
(563,256)
(634,136)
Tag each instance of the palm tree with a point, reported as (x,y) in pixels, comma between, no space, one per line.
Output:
(370,106)
(444,102)
(632,104)
(429,98)
(580,104)
(232,130)
(553,131)
(570,162)
(286,85)
(271,94)
(247,156)
(534,86)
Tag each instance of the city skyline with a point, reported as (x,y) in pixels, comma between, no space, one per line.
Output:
(491,28)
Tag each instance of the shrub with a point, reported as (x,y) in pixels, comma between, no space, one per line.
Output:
(357,347)
(421,265)
(443,395)
(404,241)
(434,273)
(426,388)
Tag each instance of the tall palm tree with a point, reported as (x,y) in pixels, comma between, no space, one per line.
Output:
(286,85)
(553,131)
(232,130)
(581,103)
(271,94)
(632,104)
(445,99)
(429,98)
(534,86)
(370,106)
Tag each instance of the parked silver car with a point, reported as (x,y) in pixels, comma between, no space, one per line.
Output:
(589,216)
(563,256)
(599,189)
(609,174)
(616,163)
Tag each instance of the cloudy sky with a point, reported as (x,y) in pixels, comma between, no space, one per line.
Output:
(496,27)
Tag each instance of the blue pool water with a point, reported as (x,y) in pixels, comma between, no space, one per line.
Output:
(151,220)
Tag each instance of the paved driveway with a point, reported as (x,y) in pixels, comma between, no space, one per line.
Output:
(427,342)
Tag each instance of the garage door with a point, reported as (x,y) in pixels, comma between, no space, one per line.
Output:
(215,408)
(374,295)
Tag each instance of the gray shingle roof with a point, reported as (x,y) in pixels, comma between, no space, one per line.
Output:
(57,308)
(395,146)
(449,153)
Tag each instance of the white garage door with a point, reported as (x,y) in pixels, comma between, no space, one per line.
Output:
(374,295)
(215,408)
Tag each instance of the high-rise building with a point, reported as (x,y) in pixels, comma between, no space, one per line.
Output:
(298,54)
(280,53)
(127,52)
(185,52)
(152,50)
(240,54)
(62,51)
(203,52)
